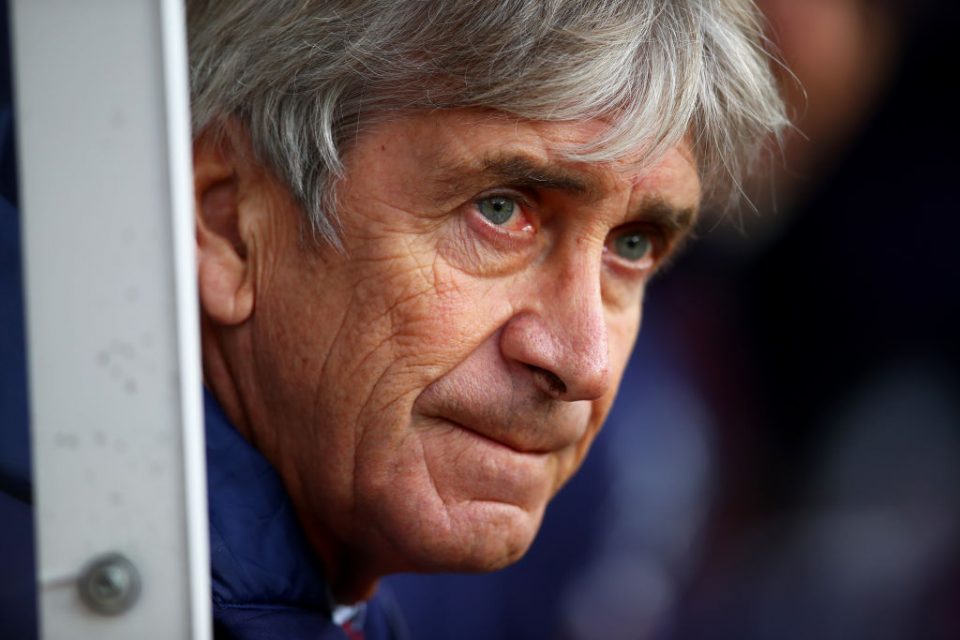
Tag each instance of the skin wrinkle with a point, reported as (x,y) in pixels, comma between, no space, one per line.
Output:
(358,300)
(326,359)
(425,266)
(317,422)
(383,531)
(409,298)
(365,407)
(445,514)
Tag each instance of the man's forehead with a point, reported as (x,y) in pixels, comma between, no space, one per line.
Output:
(669,184)
(467,146)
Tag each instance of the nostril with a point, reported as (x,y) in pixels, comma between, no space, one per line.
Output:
(554,385)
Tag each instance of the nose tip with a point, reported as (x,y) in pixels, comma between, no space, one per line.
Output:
(566,360)
(589,368)
(594,376)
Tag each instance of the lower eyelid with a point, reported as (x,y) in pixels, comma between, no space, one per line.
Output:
(629,268)
(634,269)
(499,238)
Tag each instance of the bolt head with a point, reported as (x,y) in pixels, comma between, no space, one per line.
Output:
(109,585)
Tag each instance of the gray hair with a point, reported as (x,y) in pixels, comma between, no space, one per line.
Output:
(303,76)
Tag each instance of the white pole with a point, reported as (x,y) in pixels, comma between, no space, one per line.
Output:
(113,344)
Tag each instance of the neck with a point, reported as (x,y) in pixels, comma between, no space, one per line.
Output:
(224,354)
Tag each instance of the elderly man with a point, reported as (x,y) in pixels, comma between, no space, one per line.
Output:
(424,231)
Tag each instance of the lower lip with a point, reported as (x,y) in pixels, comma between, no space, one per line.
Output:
(463,444)
(486,469)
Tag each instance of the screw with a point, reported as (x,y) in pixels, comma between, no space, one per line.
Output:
(109,584)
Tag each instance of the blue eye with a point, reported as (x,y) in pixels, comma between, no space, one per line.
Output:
(497,209)
(633,246)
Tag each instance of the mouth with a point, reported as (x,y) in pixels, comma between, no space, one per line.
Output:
(532,438)
(510,445)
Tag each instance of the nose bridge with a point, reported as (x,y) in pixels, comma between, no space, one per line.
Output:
(578,323)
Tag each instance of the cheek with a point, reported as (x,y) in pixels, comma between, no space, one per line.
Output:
(438,327)
(405,325)
(622,333)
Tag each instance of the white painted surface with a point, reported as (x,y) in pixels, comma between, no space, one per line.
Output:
(113,345)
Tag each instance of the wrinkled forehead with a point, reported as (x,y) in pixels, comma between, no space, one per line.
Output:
(459,151)
(573,139)
(463,142)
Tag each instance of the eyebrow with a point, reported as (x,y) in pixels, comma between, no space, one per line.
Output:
(516,170)
(524,171)
(659,211)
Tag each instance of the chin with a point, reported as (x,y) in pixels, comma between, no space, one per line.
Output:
(494,535)
(468,536)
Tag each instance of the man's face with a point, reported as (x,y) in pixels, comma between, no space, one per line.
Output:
(427,391)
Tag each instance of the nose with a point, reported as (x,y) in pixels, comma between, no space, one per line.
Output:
(561,338)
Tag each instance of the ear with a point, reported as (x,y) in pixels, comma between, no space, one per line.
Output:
(225,276)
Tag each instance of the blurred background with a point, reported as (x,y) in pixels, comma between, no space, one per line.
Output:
(784,458)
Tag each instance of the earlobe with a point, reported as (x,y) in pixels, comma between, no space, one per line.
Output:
(225,278)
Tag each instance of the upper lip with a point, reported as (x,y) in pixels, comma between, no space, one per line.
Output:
(545,438)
